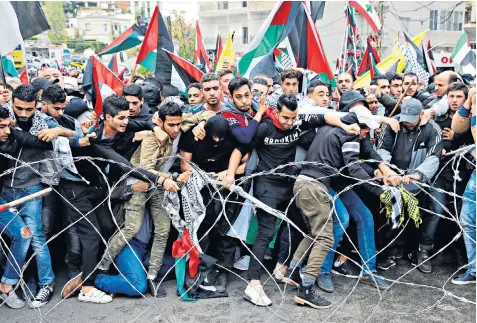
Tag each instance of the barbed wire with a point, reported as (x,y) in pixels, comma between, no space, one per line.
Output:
(223,196)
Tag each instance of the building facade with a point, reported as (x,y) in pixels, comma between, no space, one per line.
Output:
(242,17)
(102,21)
(445,19)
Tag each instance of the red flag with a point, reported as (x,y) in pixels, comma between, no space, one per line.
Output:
(372,72)
(24,76)
(200,55)
(218,49)
(104,76)
(316,60)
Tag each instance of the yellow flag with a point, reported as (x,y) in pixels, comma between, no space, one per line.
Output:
(416,40)
(228,54)
(385,64)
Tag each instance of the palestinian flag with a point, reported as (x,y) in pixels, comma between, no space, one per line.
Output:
(414,49)
(429,66)
(130,38)
(218,50)
(151,55)
(183,72)
(372,49)
(366,10)
(9,66)
(373,70)
(276,27)
(314,57)
(368,64)
(102,77)
(113,64)
(365,62)
(464,55)
(200,55)
(282,59)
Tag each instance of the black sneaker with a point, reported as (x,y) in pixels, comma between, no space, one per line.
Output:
(292,277)
(43,297)
(347,269)
(308,296)
(387,263)
(155,289)
(221,282)
(422,260)
(411,256)
(29,290)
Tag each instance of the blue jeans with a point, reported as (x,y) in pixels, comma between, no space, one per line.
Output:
(340,224)
(12,225)
(467,219)
(132,270)
(365,226)
(30,212)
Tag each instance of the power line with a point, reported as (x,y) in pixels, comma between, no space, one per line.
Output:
(421,7)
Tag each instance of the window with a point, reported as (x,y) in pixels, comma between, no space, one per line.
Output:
(433,20)
(88,27)
(124,28)
(468,16)
(472,45)
(244,35)
(223,5)
(446,20)
(244,4)
(116,27)
(105,27)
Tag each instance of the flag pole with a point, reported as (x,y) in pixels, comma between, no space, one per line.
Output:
(3,72)
(133,73)
(343,50)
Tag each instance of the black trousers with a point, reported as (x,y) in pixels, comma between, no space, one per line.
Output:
(216,243)
(276,194)
(84,198)
(54,222)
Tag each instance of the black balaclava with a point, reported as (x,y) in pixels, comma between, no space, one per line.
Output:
(216,126)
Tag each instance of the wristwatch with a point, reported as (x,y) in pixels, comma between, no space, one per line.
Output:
(174,176)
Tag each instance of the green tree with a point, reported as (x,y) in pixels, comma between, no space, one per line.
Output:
(185,33)
(57,20)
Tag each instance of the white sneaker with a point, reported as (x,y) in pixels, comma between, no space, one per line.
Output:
(95,296)
(243,263)
(257,296)
(278,271)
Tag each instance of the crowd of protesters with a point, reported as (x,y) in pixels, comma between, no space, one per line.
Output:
(321,156)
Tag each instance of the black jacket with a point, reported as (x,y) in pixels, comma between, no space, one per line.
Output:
(426,98)
(423,153)
(103,150)
(20,139)
(334,149)
(123,142)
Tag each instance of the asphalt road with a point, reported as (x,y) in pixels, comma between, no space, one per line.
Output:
(352,302)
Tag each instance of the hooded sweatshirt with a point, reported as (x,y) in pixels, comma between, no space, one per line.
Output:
(242,125)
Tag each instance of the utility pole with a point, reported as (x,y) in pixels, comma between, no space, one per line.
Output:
(380,32)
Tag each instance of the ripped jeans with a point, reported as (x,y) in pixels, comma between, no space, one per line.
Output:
(12,225)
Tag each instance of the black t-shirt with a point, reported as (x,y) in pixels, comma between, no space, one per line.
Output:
(209,156)
(277,147)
